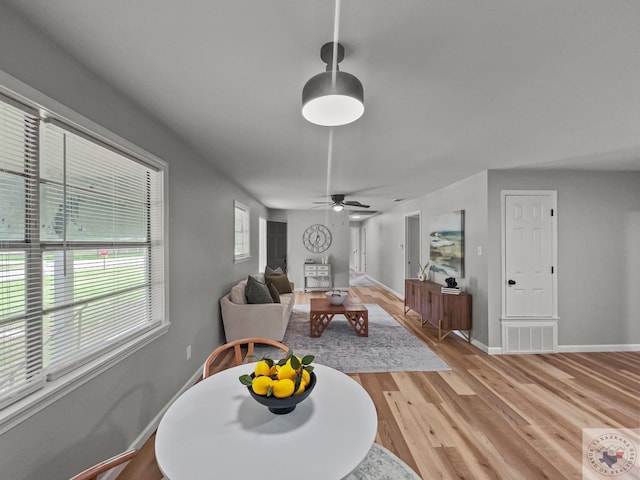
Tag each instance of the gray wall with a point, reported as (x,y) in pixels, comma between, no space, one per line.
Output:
(385,235)
(338,223)
(598,254)
(105,415)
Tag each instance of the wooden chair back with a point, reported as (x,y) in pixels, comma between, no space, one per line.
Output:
(92,473)
(239,347)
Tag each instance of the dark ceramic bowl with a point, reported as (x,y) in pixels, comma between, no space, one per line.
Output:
(284,405)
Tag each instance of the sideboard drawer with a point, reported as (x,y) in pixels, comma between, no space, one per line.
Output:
(323,269)
(310,269)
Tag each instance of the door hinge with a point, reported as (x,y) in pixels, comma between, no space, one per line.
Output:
(552,212)
(552,269)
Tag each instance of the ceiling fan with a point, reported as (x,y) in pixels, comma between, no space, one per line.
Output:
(338,203)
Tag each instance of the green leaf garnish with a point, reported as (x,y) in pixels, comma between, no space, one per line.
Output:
(246,380)
(295,363)
(307,359)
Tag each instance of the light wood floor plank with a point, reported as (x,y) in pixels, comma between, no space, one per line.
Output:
(501,417)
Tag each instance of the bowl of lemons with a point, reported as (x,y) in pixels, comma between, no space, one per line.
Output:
(283,385)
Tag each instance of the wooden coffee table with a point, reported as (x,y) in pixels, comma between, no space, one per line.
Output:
(323,311)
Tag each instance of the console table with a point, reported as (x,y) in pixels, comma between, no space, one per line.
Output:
(444,311)
(317,276)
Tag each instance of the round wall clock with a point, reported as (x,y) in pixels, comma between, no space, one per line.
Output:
(316,238)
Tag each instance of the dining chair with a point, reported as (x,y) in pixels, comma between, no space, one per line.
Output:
(119,460)
(238,346)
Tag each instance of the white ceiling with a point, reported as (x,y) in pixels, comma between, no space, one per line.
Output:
(452,87)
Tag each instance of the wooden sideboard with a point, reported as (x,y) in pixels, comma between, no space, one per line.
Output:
(444,311)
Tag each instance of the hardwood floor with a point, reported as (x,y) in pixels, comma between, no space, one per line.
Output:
(496,417)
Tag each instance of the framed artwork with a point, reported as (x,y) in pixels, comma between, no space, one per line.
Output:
(446,244)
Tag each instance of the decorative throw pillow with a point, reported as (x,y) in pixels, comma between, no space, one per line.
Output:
(237,293)
(257,292)
(270,271)
(281,282)
(274,292)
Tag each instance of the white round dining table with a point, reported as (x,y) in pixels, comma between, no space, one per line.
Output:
(217,430)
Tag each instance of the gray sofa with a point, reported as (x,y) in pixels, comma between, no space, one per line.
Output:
(243,320)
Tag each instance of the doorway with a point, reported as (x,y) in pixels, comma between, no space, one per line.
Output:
(354,257)
(277,245)
(412,245)
(529,273)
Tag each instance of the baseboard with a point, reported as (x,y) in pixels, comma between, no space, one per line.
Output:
(380,284)
(598,348)
(155,421)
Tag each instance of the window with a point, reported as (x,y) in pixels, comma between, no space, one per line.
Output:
(242,250)
(81,250)
(262,244)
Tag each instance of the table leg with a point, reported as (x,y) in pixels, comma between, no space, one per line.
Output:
(318,323)
(360,322)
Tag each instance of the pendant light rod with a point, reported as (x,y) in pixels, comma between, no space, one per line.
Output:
(336,35)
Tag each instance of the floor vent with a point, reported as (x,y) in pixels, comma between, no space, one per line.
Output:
(529,336)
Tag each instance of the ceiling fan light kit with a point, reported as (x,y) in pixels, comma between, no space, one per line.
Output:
(332,98)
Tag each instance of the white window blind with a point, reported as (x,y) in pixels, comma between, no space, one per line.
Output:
(81,250)
(20,292)
(241,232)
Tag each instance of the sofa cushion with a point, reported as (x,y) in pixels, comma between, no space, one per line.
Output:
(270,271)
(257,292)
(237,293)
(280,281)
(273,291)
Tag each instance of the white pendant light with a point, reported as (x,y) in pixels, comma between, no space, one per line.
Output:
(332,98)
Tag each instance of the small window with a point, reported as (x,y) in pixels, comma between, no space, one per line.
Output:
(242,250)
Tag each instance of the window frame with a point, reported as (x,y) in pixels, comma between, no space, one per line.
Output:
(239,207)
(54,389)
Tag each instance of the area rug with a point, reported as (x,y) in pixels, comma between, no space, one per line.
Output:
(381,464)
(388,348)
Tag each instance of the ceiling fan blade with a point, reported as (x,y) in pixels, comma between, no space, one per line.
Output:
(354,203)
(324,203)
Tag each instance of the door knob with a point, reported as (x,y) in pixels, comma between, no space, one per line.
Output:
(511,282)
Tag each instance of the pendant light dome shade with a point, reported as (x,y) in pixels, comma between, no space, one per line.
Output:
(332,98)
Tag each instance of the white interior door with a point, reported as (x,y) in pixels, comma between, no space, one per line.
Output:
(529,256)
(363,254)
(412,245)
(354,258)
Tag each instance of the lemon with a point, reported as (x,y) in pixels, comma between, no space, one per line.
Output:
(261,384)
(283,388)
(262,368)
(306,377)
(286,372)
(300,388)
(273,370)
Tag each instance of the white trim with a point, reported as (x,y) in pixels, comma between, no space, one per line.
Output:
(554,224)
(399,295)
(630,347)
(52,391)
